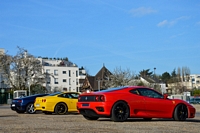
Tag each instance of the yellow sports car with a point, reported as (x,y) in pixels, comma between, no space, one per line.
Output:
(58,103)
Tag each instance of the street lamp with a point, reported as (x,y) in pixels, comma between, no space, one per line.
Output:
(154,71)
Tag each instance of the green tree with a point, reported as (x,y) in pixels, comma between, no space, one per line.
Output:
(165,77)
(146,73)
(196,92)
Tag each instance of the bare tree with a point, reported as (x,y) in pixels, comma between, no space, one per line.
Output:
(20,69)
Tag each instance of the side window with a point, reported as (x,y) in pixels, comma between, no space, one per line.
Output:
(74,95)
(62,95)
(135,92)
(150,93)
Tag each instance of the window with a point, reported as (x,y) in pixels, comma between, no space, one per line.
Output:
(76,73)
(135,92)
(64,72)
(55,72)
(64,80)
(64,89)
(69,81)
(149,93)
(69,73)
(48,71)
(56,80)
(48,80)
(69,95)
(76,81)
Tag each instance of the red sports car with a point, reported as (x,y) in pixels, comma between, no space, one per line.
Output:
(122,103)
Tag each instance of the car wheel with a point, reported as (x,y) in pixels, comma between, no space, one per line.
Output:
(90,118)
(180,113)
(19,111)
(30,108)
(61,109)
(147,119)
(120,112)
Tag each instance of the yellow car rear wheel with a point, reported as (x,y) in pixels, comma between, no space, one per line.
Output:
(61,109)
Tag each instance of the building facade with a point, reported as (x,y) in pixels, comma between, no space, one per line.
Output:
(61,75)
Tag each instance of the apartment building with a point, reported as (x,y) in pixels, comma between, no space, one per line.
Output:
(195,81)
(61,75)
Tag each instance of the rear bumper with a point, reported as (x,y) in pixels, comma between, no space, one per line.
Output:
(43,107)
(94,108)
(18,107)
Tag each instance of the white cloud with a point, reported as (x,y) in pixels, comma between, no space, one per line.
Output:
(163,23)
(141,11)
(172,22)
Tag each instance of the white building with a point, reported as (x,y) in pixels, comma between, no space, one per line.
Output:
(61,75)
(195,81)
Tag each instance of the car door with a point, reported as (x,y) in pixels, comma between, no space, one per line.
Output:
(155,104)
(73,99)
(136,102)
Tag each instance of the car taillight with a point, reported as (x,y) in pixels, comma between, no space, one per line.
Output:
(43,100)
(100,98)
(96,98)
(19,101)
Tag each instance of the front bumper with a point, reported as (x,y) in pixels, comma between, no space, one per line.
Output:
(191,112)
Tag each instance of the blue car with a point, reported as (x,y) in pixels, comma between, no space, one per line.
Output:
(25,104)
(194,101)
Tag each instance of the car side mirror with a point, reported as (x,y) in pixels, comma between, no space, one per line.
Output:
(165,96)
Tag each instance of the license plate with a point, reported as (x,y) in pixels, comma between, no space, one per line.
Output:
(13,105)
(85,104)
(37,105)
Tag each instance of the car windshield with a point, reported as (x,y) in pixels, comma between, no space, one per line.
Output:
(56,93)
(113,89)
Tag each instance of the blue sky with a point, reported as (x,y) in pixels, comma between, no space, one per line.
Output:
(133,34)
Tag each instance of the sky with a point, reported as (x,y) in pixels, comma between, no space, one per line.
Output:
(126,34)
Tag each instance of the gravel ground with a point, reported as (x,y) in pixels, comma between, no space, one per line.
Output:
(11,122)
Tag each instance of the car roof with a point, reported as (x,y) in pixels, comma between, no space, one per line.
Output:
(122,88)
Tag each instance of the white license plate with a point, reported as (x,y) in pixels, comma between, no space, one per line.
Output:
(13,105)
(37,105)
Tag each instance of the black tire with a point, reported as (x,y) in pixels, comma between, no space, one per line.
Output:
(20,112)
(120,112)
(147,119)
(180,112)
(90,118)
(30,108)
(61,109)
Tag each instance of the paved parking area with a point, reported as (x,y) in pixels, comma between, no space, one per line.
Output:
(11,122)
